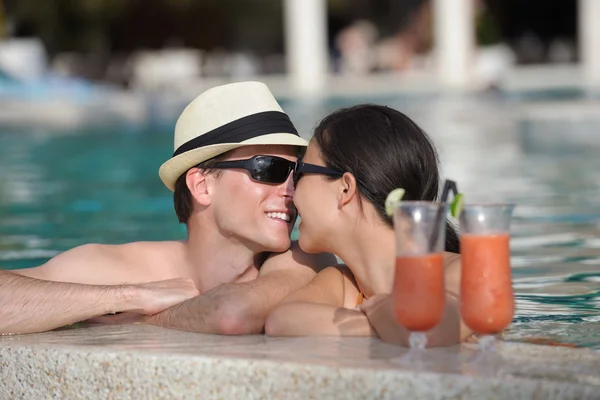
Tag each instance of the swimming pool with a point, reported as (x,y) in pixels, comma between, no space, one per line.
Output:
(60,189)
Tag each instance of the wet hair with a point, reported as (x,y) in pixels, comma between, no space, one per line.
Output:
(182,197)
(384,150)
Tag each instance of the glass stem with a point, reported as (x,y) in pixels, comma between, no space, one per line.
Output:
(417,340)
(487,342)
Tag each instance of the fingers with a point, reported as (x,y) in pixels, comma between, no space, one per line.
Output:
(374,302)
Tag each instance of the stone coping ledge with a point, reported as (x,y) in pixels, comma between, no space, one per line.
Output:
(147,362)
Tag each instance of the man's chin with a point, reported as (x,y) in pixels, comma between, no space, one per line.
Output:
(279,245)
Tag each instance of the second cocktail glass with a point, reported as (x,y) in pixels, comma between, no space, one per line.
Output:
(487,303)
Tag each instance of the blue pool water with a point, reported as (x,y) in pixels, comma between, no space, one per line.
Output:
(60,189)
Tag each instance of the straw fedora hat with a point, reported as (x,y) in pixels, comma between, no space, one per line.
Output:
(224,118)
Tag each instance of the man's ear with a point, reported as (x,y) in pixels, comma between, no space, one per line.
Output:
(198,184)
(347,189)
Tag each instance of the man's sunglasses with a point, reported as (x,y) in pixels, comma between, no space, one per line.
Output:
(272,169)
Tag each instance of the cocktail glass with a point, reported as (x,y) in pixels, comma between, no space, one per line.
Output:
(419,289)
(487,302)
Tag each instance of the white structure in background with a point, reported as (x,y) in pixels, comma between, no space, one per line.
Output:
(307,56)
(589,40)
(454,30)
(24,58)
(171,69)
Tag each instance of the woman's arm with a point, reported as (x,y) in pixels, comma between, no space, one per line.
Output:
(317,309)
(451,330)
(379,310)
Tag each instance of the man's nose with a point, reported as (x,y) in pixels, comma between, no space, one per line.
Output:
(286,189)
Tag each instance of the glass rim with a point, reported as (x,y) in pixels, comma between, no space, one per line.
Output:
(489,205)
(418,202)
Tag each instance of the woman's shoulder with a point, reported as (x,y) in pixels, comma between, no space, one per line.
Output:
(338,271)
(343,277)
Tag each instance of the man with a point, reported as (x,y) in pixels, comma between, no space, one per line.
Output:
(235,150)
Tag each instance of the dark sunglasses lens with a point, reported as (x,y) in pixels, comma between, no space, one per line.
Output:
(271,169)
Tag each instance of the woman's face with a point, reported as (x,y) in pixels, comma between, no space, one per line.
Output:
(316,200)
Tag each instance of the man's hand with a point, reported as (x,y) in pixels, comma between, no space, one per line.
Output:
(149,299)
(154,297)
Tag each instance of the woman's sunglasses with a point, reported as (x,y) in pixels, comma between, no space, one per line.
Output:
(272,169)
(304,168)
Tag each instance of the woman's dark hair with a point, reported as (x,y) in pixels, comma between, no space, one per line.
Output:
(384,150)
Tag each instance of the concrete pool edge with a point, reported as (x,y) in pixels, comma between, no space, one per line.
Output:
(147,362)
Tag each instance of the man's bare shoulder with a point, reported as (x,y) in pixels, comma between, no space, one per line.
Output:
(103,264)
(296,258)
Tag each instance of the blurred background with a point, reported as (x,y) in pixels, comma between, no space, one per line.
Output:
(151,56)
(176,45)
(508,90)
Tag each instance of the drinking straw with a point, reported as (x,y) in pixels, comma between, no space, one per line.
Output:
(448,186)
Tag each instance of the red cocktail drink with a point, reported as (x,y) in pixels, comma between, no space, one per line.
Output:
(487,299)
(419,292)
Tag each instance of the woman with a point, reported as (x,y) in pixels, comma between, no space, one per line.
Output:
(355,158)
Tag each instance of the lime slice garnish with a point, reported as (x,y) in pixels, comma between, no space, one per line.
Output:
(457,205)
(393,197)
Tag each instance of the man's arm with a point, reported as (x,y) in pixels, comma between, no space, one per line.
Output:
(242,308)
(31,302)
(30,305)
